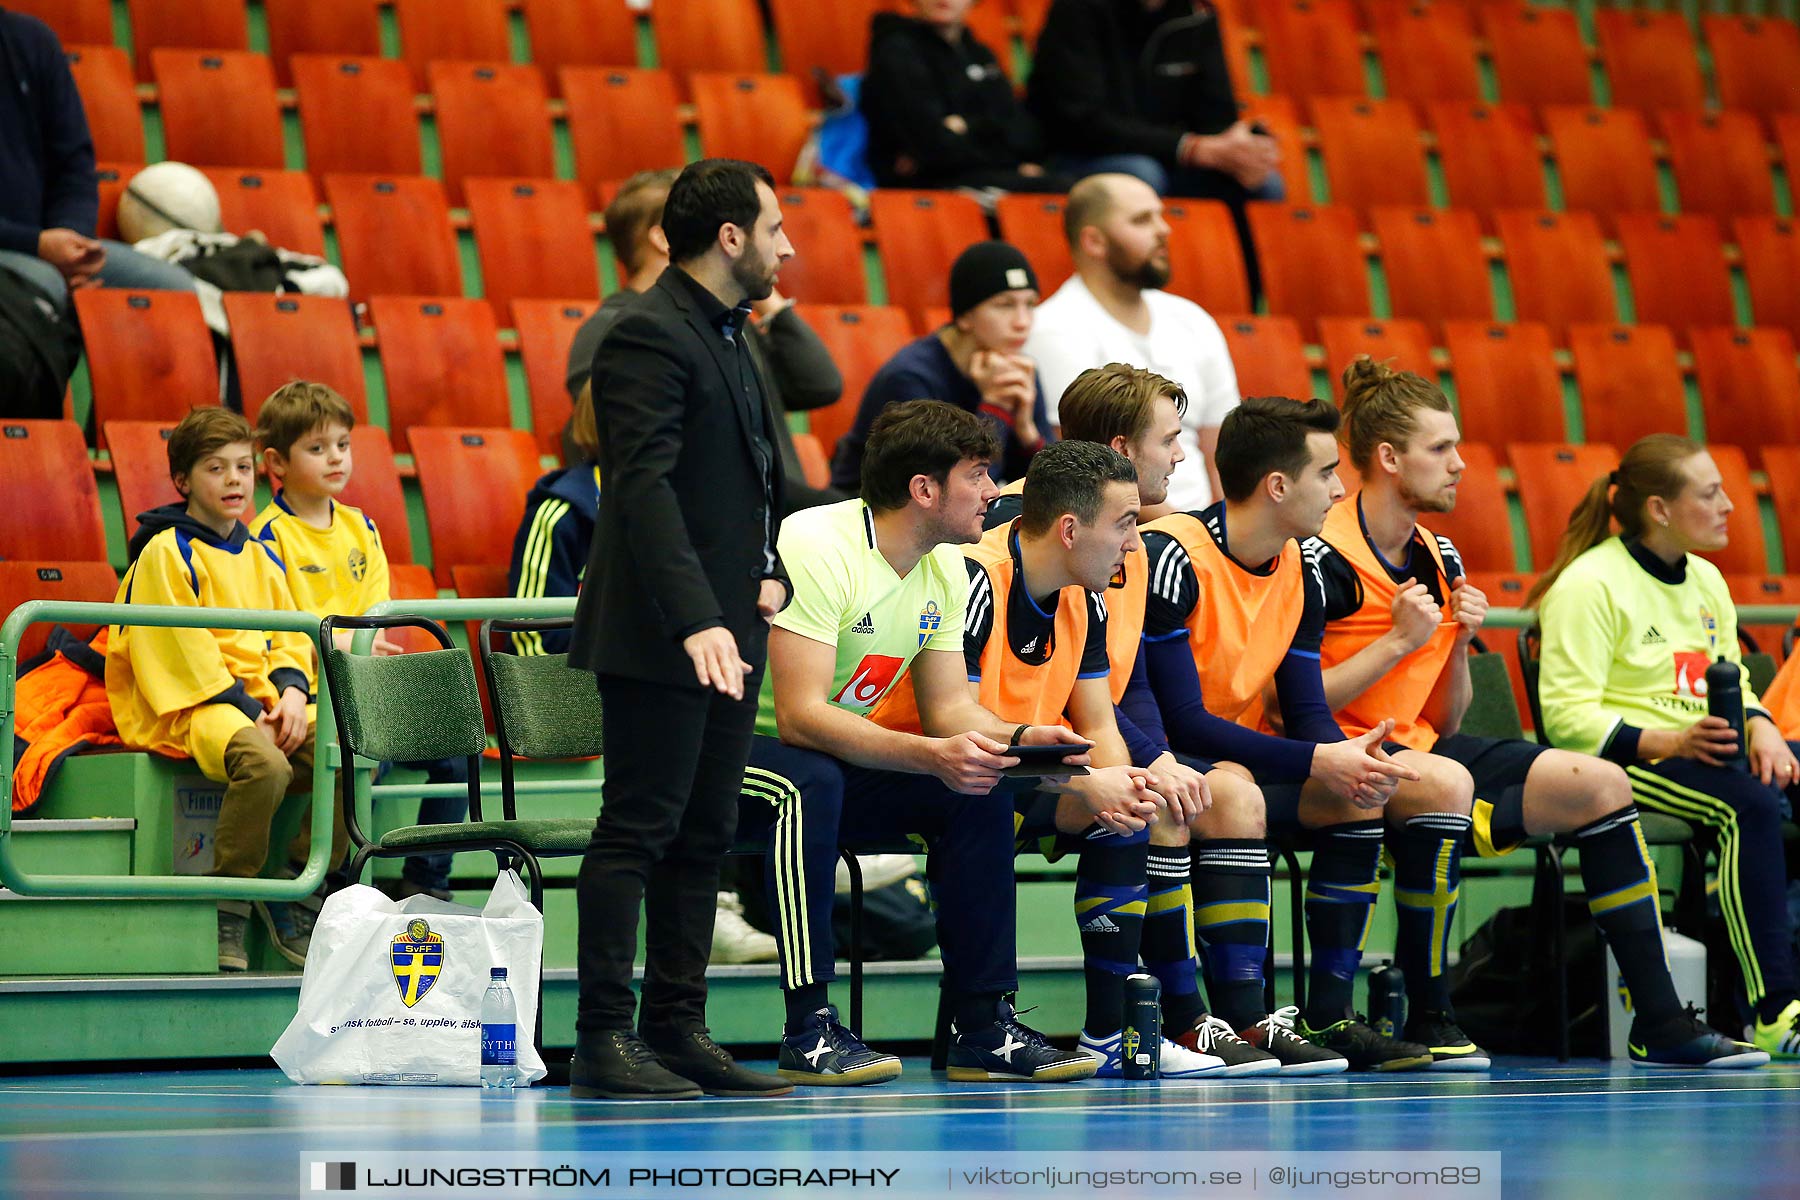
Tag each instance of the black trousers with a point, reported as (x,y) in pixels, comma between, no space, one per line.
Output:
(674,761)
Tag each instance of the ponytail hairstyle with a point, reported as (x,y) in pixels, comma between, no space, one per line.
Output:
(1654,466)
(1379,403)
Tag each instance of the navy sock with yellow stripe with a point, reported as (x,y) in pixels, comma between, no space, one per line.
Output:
(1620,881)
(1231,920)
(1111,893)
(1427,852)
(1341,889)
(1168,947)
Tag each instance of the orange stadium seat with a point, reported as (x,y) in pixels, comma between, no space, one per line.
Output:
(1604,158)
(580,33)
(191,25)
(1649,58)
(356,115)
(375,488)
(452,31)
(758,118)
(1744,551)
(814,466)
(1677,270)
(473,481)
(1371,150)
(1771,257)
(621,122)
(1629,380)
(1720,160)
(1783,465)
(1435,266)
(109,97)
(1427,51)
(441,358)
(67,580)
(112,178)
(860,340)
(918,236)
(149,354)
(335,28)
(481,580)
(1269,356)
(1756,62)
(546,330)
(1035,225)
(75,22)
(1756,588)
(1538,54)
(828,265)
(281,204)
(140,463)
(533,239)
(219,108)
(47,492)
(1507,385)
(986,22)
(1749,386)
(1281,117)
(1481,524)
(394,235)
(1346,338)
(1557,264)
(1312,48)
(1552,478)
(1206,261)
(1787,137)
(277,338)
(711,35)
(1312,262)
(409,581)
(1489,154)
(833,36)
(1507,591)
(491,120)
(1032,13)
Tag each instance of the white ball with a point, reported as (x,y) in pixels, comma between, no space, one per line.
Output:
(168,195)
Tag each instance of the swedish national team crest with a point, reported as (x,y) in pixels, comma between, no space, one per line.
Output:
(929,621)
(1130,1043)
(418,956)
(359,565)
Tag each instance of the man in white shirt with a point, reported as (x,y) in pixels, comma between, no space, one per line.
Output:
(1113,310)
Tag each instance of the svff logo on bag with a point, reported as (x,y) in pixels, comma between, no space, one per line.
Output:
(418,956)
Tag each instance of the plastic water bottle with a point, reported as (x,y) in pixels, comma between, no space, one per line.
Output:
(499,1029)
(1387,999)
(1725,698)
(1141,1027)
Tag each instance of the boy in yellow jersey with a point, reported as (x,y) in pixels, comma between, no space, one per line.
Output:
(1219,889)
(334,561)
(879,596)
(1399,617)
(235,701)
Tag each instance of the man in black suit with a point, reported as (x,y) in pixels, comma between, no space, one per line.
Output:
(682,581)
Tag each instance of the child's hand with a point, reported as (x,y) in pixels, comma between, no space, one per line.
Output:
(287,720)
(384,646)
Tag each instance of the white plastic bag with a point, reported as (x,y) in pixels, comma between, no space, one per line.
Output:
(392,991)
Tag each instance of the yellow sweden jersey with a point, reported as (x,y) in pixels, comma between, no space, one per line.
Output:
(848,597)
(340,571)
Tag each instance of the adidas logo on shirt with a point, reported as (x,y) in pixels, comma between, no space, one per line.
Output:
(865,626)
(1653,637)
(1100,924)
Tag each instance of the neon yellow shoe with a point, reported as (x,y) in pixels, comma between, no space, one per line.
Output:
(1780,1037)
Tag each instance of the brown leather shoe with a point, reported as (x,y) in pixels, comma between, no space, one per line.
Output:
(621,1066)
(697,1057)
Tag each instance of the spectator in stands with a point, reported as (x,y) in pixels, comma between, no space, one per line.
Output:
(335,562)
(235,701)
(976,362)
(1140,86)
(941,111)
(1113,310)
(1630,624)
(796,368)
(49,194)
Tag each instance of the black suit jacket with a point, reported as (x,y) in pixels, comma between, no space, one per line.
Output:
(679,540)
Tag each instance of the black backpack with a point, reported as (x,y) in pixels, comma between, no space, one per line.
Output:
(39,347)
(1504,984)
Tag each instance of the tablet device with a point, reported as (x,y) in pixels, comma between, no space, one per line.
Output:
(1038,761)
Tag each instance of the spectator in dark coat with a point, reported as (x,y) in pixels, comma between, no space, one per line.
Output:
(941,111)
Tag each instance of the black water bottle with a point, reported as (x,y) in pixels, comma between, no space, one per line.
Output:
(1387,999)
(1725,699)
(1141,1027)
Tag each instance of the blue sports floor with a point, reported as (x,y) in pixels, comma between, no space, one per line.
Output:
(1583,1129)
